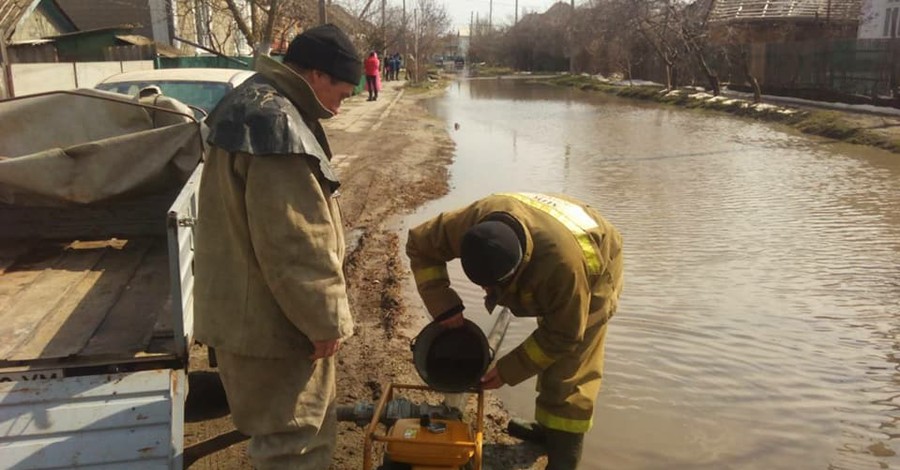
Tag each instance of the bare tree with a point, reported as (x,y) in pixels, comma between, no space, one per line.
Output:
(431,24)
(208,23)
(655,21)
(738,55)
(259,28)
(692,21)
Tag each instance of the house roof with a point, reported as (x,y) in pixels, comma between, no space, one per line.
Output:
(96,14)
(750,10)
(12,12)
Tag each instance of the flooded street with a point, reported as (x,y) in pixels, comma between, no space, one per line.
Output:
(759,322)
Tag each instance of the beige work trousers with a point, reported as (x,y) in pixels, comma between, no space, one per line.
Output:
(568,389)
(286,406)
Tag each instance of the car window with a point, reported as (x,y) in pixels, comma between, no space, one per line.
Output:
(204,95)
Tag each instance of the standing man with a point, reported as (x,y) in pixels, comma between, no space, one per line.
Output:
(270,291)
(543,256)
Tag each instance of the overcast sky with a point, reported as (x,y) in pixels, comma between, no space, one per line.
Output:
(504,10)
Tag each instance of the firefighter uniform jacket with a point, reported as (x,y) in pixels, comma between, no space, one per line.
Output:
(270,244)
(570,276)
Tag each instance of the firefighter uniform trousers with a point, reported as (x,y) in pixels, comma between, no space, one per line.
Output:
(286,404)
(568,388)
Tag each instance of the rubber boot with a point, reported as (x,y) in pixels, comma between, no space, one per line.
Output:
(526,430)
(563,449)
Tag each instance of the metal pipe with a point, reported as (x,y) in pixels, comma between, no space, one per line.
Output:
(211,51)
(498,332)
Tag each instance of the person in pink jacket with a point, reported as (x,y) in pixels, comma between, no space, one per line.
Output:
(372,66)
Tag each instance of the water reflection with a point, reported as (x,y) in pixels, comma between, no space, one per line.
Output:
(758,324)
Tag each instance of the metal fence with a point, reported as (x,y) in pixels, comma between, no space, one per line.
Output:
(867,68)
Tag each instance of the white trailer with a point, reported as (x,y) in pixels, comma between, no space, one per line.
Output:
(97,204)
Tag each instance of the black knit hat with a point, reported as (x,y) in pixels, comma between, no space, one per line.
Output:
(328,49)
(490,250)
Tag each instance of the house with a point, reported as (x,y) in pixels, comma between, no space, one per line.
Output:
(22,25)
(60,44)
(779,21)
(150,18)
(879,19)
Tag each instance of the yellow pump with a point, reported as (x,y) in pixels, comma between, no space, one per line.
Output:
(425,443)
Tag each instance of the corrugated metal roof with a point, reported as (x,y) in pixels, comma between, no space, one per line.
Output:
(749,10)
(12,12)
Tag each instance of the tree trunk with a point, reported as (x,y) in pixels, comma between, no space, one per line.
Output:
(711,76)
(757,92)
(754,83)
(670,72)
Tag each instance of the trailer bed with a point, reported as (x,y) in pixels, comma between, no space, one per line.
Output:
(84,303)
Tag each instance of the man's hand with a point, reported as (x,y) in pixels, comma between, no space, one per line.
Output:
(325,348)
(454,321)
(492,380)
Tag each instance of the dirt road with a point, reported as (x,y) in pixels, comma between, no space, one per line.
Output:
(391,157)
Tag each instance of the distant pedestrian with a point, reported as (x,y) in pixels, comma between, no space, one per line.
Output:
(395,65)
(372,66)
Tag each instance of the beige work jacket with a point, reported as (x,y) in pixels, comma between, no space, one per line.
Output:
(570,276)
(270,244)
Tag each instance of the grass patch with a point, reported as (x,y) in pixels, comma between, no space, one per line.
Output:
(489,71)
(829,124)
(425,85)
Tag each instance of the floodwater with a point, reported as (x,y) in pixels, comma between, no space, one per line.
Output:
(758,327)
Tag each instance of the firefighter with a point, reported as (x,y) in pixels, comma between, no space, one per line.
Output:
(270,291)
(544,256)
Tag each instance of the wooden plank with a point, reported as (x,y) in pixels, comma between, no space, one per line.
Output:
(66,330)
(10,252)
(129,325)
(23,266)
(42,295)
(139,216)
(163,326)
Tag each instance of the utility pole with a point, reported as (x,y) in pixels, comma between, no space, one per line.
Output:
(491,16)
(516,20)
(383,29)
(323,14)
(572,38)
(471,24)
(416,35)
(405,42)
